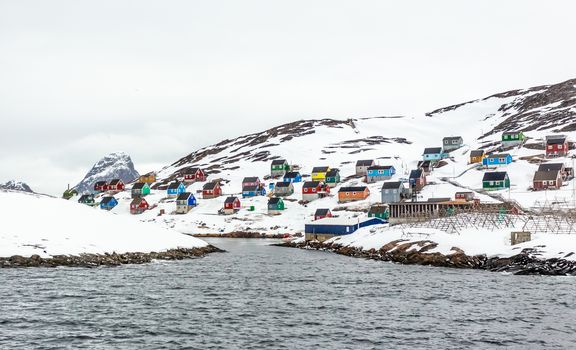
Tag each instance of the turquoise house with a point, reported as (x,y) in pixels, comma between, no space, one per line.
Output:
(497,159)
(434,154)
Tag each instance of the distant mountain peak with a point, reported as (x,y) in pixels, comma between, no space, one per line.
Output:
(14,185)
(116,165)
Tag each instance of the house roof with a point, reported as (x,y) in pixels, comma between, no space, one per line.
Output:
(251,179)
(231,199)
(432,150)
(423,163)
(292,174)
(107,200)
(550,166)
(465,192)
(391,185)
(380,167)
(321,212)
(138,185)
(275,200)
(250,188)
(333,172)
(511,133)
(283,184)
(279,162)
(85,197)
(184,196)
(495,176)
(378,209)
(452,138)
(137,200)
(556,140)
(115,182)
(100,183)
(477,153)
(546,175)
(191,170)
(340,221)
(174,185)
(498,155)
(320,169)
(365,162)
(210,185)
(309,184)
(415,173)
(439,199)
(353,189)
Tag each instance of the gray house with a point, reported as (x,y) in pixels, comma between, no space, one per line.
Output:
(394,192)
(283,189)
(363,165)
(452,142)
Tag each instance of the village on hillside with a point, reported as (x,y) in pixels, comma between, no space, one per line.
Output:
(399,200)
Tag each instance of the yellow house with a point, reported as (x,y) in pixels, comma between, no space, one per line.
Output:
(148,178)
(319,173)
(476,156)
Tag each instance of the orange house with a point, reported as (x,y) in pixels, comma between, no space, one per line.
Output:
(350,194)
(148,178)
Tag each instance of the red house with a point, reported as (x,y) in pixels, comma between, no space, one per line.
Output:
(547,180)
(322,213)
(251,181)
(100,186)
(211,190)
(194,174)
(138,206)
(556,146)
(231,205)
(115,185)
(312,190)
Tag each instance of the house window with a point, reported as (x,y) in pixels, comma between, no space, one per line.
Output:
(313,190)
(502,160)
(347,193)
(550,182)
(454,142)
(549,146)
(353,193)
(559,146)
(491,183)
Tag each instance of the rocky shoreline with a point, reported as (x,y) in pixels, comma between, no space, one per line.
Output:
(113,259)
(402,252)
(239,234)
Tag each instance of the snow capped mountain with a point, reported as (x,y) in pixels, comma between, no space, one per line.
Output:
(14,185)
(116,165)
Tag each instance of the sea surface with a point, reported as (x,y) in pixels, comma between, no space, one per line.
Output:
(256,296)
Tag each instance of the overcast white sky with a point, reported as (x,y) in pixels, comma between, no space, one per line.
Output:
(158,79)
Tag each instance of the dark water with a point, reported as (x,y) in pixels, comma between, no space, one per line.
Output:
(261,297)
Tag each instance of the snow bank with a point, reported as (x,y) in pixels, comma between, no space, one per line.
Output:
(35,224)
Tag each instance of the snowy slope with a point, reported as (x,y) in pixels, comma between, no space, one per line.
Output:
(397,141)
(37,224)
(116,165)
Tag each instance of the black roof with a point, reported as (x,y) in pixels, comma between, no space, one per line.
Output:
(391,185)
(184,196)
(477,153)
(191,170)
(556,140)
(498,155)
(320,169)
(365,162)
(274,200)
(292,174)
(251,179)
(138,185)
(100,183)
(279,162)
(174,186)
(550,166)
(352,189)
(511,132)
(495,176)
(432,150)
(210,185)
(378,209)
(106,200)
(376,167)
(423,163)
(309,184)
(137,200)
(415,173)
(321,212)
(545,175)
(333,172)
(283,184)
(452,138)
(230,199)
(249,188)
(85,197)
(115,181)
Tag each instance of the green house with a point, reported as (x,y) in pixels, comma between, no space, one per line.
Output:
(279,167)
(333,177)
(379,211)
(275,205)
(140,189)
(87,199)
(496,180)
(513,136)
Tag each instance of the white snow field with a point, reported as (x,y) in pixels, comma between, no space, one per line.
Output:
(37,224)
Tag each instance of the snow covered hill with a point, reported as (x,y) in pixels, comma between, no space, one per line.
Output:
(16,186)
(397,141)
(37,224)
(116,165)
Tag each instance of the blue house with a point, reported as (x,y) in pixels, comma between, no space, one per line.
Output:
(379,173)
(108,203)
(328,227)
(292,176)
(434,154)
(497,159)
(253,191)
(174,189)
